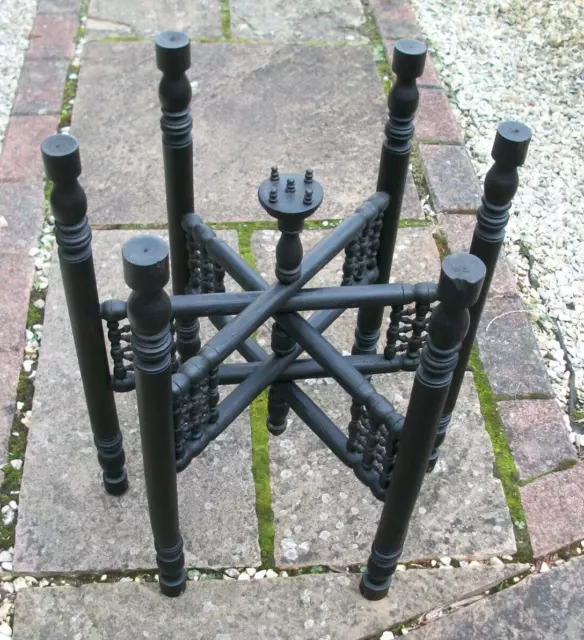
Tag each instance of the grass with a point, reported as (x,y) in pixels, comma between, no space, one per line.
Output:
(370,31)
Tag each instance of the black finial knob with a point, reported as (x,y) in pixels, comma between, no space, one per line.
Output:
(173,52)
(61,158)
(273,195)
(409,58)
(274,174)
(511,144)
(307,196)
(308,176)
(146,266)
(290,185)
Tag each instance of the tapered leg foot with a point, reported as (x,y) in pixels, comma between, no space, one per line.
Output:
(172,577)
(115,484)
(371,590)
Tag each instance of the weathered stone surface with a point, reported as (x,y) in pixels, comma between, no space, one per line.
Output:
(53,36)
(459,229)
(434,120)
(21,210)
(395,19)
(148,17)
(322,513)
(508,349)
(537,435)
(58,6)
(87,530)
(411,207)
(21,158)
(298,21)
(304,607)
(548,605)
(248,112)
(40,88)
(555,510)
(451,178)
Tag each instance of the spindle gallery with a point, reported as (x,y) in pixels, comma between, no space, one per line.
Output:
(154,339)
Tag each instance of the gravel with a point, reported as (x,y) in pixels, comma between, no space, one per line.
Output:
(516,60)
(16,18)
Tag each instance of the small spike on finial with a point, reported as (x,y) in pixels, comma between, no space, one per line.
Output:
(273,194)
(274,173)
(307,196)
(308,176)
(290,185)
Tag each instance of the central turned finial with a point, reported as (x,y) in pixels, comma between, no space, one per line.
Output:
(290,198)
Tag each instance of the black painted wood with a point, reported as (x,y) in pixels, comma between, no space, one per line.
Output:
(69,206)
(177,382)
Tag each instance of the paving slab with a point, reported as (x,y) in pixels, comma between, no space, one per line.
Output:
(322,513)
(148,17)
(395,18)
(87,530)
(53,36)
(304,607)
(21,214)
(250,111)
(505,330)
(40,88)
(452,182)
(547,605)
(297,21)
(554,510)
(537,436)
(434,119)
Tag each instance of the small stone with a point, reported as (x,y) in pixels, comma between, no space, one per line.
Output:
(474,563)
(7,566)
(559,562)
(508,558)
(463,564)
(125,579)
(260,574)
(8,587)
(433,563)
(6,609)
(400,567)
(16,464)
(12,504)
(5,556)
(516,579)
(103,577)
(193,574)
(19,406)
(39,304)
(243,577)
(446,560)
(229,578)
(250,571)
(387,635)
(6,630)
(20,583)
(283,574)
(496,562)
(44,583)
(3,222)
(232,573)
(544,567)
(270,573)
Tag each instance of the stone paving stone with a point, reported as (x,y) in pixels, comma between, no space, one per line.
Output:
(451,179)
(248,113)
(430,76)
(21,157)
(58,6)
(504,331)
(53,36)
(411,206)
(322,513)
(537,435)
(459,229)
(299,21)
(548,605)
(555,510)
(199,18)
(434,119)
(304,607)
(395,19)
(21,211)
(87,530)
(40,88)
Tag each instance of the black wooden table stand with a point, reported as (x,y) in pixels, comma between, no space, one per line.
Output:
(431,327)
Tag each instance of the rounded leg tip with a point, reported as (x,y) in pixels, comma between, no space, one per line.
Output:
(173,588)
(372,591)
(275,429)
(116,485)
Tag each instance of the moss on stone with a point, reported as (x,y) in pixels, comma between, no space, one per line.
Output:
(505,468)
(226,19)
(418,173)
(370,31)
